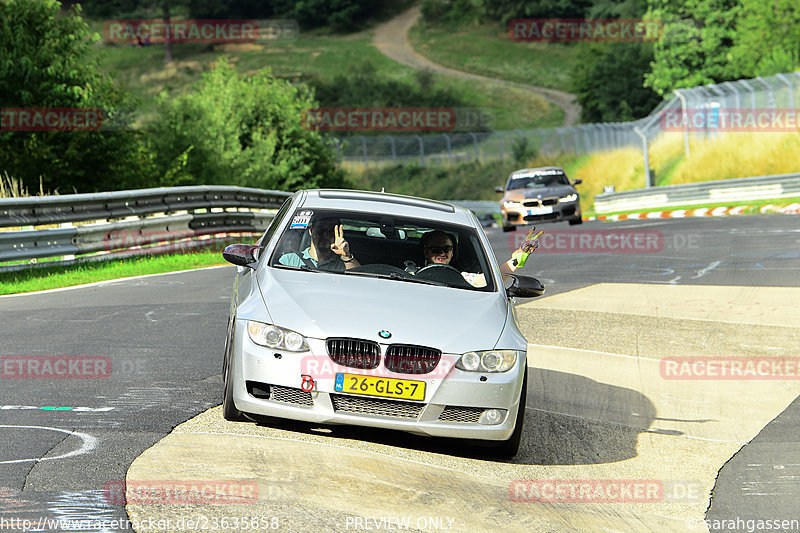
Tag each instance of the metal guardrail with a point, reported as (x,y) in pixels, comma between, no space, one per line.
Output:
(142,219)
(39,210)
(729,190)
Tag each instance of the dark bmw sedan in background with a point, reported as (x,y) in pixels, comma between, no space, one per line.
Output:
(539,195)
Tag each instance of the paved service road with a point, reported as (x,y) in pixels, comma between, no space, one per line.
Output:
(599,405)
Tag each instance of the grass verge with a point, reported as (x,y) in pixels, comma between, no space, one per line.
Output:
(487,50)
(312,54)
(38,279)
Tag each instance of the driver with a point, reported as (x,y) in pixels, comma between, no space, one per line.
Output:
(437,248)
(328,249)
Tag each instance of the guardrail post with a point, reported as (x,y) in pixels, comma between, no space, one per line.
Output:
(785,80)
(646,158)
(769,91)
(752,92)
(684,117)
(563,144)
(394,149)
(421,151)
(475,143)
(338,143)
(735,93)
(449,147)
(364,146)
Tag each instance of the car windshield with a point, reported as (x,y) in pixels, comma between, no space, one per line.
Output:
(534,181)
(397,249)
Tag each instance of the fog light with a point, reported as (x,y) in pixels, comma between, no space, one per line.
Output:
(492,417)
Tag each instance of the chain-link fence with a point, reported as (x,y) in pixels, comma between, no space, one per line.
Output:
(700,111)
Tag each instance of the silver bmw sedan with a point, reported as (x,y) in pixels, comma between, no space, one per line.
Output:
(379,310)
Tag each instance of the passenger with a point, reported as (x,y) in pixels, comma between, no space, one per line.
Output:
(437,248)
(328,250)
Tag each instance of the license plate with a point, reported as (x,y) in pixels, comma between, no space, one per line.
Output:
(543,210)
(403,389)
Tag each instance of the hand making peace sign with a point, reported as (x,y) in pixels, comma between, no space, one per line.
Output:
(339,246)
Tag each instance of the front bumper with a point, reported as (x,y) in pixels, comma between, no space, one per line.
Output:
(521,215)
(269,383)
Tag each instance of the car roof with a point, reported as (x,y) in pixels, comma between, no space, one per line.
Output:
(533,171)
(387,203)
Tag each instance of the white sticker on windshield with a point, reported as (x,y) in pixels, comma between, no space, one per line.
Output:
(301,220)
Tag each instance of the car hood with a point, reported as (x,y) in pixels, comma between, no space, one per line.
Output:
(321,305)
(545,192)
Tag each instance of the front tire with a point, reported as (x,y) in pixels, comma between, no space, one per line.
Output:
(574,221)
(509,228)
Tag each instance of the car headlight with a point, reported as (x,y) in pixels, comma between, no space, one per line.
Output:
(512,204)
(275,337)
(569,198)
(487,361)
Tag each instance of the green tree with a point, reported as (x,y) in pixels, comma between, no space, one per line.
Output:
(238,130)
(767,38)
(695,48)
(608,80)
(45,63)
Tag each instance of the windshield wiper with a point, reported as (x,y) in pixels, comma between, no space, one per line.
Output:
(417,280)
(395,276)
(304,267)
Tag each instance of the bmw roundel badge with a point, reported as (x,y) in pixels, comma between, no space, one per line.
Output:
(385,333)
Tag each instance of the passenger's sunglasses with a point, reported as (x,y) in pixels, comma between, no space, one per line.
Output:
(437,250)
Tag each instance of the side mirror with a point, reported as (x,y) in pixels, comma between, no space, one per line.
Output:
(577,182)
(499,189)
(240,254)
(524,287)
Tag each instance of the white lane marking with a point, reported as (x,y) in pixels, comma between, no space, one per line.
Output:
(108,282)
(706,270)
(89,444)
(622,224)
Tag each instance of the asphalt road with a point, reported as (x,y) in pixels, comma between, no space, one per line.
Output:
(64,440)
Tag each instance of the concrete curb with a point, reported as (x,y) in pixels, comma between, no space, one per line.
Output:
(792,209)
